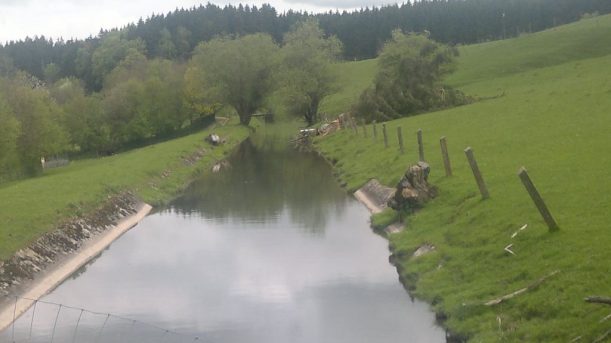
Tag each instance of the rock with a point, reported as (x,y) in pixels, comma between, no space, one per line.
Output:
(413,190)
(214,139)
(423,250)
(221,165)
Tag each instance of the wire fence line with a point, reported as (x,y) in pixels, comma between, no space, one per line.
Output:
(73,326)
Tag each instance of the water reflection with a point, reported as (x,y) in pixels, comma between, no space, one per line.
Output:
(235,260)
(261,184)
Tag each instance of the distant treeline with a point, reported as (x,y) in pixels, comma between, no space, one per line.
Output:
(362,32)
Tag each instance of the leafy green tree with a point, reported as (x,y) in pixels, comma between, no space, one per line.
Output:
(196,97)
(112,50)
(83,118)
(307,74)
(183,41)
(51,72)
(237,72)
(166,47)
(9,131)
(40,119)
(163,97)
(122,106)
(408,81)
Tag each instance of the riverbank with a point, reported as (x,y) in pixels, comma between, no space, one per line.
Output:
(48,220)
(54,257)
(550,118)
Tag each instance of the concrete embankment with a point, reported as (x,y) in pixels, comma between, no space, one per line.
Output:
(375,196)
(36,270)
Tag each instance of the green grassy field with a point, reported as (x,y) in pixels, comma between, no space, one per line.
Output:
(354,77)
(156,173)
(553,116)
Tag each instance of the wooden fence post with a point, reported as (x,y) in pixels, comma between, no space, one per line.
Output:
(420,146)
(385,135)
(354,127)
(446,157)
(375,131)
(476,172)
(538,200)
(400,138)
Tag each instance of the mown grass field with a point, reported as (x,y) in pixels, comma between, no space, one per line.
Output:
(156,173)
(546,105)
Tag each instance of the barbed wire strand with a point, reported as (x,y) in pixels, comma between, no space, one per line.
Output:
(78,321)
(32,321)
(97,339)
(108,315)
(13,324)
(59,309)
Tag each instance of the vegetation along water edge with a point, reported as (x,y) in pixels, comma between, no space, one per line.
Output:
(542,102)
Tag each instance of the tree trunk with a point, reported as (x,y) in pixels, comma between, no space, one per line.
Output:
(312,112)
(245,119)
(245,114)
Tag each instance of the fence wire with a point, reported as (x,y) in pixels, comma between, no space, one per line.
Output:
(48,321)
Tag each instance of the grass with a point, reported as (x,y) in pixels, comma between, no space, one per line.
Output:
(354,78)
(554,118)
(29,208)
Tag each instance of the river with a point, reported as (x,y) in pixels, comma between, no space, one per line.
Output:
(270,250)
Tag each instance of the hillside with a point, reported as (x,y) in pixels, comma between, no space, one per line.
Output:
(545,104)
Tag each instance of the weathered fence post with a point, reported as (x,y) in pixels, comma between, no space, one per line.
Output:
(538,200)
(400,138)
(375,131)
(420,146)
(476,172)
(353,123)
(385,135)
(446,157)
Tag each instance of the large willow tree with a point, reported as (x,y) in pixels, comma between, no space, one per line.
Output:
(236,72)
(307,74)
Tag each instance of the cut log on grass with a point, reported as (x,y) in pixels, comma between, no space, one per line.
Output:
(522,290)
(598,300)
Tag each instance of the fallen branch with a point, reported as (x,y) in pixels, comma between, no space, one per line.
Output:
(602,337)
(522,290)
(520,229)
(605,319)
(598,300)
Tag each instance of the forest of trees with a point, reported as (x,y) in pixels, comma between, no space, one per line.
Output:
(145,99)
(362,32)
(169,73)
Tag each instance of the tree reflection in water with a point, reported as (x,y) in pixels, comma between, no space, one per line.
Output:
(264,179)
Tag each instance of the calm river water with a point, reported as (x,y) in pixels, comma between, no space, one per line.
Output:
(271,250)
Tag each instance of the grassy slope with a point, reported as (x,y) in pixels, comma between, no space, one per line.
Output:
(354,76)
(554,119)
(31,207)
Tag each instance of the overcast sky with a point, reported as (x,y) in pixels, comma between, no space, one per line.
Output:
(81,18)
